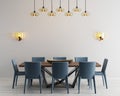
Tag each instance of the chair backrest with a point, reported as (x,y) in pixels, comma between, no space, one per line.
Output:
(38,59)
(59,70)
(32,69)
(81,59)
(105,62)
(59,58)
(14,65)
(87,69)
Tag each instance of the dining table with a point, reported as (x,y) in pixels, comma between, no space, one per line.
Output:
(48,63)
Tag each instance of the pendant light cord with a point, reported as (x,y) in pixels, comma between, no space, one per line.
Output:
(60,3)
(68,6)
(85,5)
(76,3)
(43,3)
(51,5)
(34,5)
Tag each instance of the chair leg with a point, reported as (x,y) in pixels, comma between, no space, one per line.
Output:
(90,83)
(94,84)
(40,85)
(25,85)
(67,86)
(105,81)
(29,83)
(16,80)
(79,84)
(13,81)
(52,85)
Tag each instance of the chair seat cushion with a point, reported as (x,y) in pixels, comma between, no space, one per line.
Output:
(98,73)
(21,73)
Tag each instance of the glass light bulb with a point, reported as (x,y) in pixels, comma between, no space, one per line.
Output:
(43,9)
(60,9)
(76,9)
(51,13)
(68,13)
(85,13)
(99,36)
(34,13)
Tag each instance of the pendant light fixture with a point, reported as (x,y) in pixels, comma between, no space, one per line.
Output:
(51,13)
(43,9)
(85,13)
(34,13)
(76,9)
(60,9)
(68,13)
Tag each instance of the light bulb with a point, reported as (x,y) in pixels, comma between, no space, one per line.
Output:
(76,9)
(60,9)
(43,9)
(51,13)
(68,13)
(34,13)
(85,13)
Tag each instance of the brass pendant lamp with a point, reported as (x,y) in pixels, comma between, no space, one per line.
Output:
(43,9)
(68,13)
(76,9)
(34,13)
(60,9)
(51,13)
(85,13)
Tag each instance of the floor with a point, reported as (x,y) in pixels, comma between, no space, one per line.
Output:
(6,90)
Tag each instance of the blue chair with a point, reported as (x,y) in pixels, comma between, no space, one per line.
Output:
(103,72)
(16,73)
(87,71)
(60,71)
(59,58)
(32,71)
(38,59)
(80,59)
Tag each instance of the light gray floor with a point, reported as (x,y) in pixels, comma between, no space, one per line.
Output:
(6,90)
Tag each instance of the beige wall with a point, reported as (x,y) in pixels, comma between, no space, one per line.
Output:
(60,35)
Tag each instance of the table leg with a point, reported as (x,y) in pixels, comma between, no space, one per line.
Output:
(44,78)
(60,81)
(75,80)
(49,73)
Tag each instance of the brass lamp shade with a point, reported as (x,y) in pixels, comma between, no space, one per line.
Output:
(43,9)
(85,13)
(99,36)
(60,9)
(51,13)
(34,13)
(68,13)
(19,35)
(76,9)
